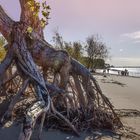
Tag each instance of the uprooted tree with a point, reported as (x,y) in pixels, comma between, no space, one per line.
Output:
(41,82)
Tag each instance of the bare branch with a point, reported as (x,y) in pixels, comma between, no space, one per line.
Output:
(6,24)
(64,119)
(8,113)
(24,11)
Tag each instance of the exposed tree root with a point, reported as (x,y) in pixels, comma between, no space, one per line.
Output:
(63,118)
(8,113)
(72,95)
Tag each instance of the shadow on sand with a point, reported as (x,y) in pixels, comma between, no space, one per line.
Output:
(113,82)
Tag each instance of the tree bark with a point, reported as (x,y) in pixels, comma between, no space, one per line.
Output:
(5,64)
(81,97)
(8,114)
(32,114)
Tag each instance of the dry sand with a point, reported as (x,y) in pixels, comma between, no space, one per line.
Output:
(123,92)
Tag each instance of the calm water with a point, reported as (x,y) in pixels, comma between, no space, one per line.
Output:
(132,71)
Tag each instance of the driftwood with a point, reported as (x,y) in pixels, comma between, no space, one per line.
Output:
(72,95)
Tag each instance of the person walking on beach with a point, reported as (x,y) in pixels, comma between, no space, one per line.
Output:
(104,72)
(108,70)
(126,72)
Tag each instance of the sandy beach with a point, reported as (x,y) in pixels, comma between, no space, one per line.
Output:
(123,92)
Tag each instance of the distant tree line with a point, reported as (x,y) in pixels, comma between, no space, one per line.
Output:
(92,53)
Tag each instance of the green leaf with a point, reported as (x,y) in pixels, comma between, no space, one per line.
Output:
(2,53)
(29,29)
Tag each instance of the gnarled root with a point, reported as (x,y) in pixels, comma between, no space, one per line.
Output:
(8,114)
(30,119)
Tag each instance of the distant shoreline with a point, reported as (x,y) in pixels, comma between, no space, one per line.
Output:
(125,67)
(107,74)
(132,72)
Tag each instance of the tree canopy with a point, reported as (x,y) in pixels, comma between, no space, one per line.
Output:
(92,53)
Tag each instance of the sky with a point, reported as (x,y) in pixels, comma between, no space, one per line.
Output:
(117,21)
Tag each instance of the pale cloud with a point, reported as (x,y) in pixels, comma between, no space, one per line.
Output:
(137,41)
(134,36)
